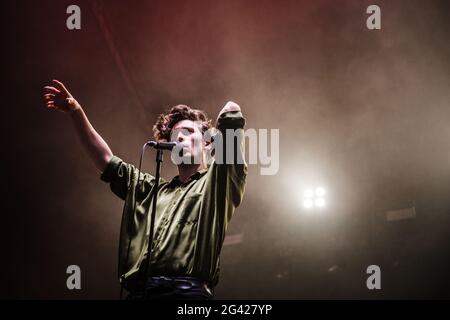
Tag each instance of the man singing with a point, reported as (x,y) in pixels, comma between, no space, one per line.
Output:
(193,209)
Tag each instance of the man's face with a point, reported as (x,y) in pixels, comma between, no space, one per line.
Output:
(189,135)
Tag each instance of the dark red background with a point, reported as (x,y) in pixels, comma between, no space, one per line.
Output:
(364,112)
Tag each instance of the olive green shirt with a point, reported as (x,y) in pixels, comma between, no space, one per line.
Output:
(191,217)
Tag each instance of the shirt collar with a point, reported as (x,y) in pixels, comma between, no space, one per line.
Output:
(195,176)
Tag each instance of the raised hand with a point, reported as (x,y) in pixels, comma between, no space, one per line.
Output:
(229,106)
(59,98)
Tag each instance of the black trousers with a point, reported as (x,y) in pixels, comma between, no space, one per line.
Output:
(173,288)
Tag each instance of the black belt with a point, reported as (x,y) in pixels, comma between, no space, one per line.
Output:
(181,283)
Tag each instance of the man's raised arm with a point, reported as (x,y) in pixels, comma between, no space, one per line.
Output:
(57,97)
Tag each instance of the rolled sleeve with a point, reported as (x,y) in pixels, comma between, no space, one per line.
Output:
(231,176)
(120,176)
(111,168)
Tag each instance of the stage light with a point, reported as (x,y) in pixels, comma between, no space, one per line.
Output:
(314,198)
(308,203)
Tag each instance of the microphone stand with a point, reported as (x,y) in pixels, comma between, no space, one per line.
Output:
(159,146)
(159,159)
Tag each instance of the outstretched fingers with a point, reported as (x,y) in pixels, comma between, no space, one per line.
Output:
(61,86)
(52,90)
(56,94)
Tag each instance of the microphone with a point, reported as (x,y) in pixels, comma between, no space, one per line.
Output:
(162,145)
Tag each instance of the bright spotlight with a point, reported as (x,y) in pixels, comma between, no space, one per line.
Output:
(314,198)
(308,203)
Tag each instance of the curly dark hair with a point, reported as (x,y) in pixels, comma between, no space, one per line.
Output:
(165,122)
